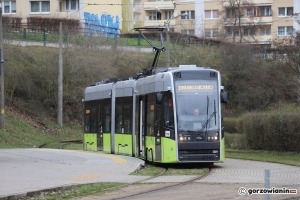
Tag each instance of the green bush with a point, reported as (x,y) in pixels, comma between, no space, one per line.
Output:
(231,125)
(235,141)
(273,130)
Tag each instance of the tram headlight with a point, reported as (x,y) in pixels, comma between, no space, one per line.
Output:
(213,137)
(183,137)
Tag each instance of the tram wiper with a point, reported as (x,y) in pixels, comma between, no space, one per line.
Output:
(208,120)
(210,117)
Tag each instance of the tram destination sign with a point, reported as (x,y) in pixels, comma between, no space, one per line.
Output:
(195,87)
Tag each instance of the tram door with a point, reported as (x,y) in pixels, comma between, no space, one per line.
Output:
(100,129)
(158,132)
(141,127)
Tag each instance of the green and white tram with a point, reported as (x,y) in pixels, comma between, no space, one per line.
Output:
(172,115)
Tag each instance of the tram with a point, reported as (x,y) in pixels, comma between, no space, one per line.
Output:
(170,115)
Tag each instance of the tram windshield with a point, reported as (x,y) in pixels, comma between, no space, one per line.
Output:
(197,105)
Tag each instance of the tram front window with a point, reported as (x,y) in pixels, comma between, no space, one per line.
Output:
(197,111)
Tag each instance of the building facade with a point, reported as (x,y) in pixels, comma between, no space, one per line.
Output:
(244,21)
(99,18)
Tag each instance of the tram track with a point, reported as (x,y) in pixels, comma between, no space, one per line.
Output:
(142,181)
(153,190)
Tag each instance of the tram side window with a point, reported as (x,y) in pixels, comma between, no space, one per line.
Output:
(119,120)
(127,118)
(107,119)
(168,110)
(90,125)
(150,115)
(123,119)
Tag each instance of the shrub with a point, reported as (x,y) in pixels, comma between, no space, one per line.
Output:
(273,130)
(231,125)
(235,141)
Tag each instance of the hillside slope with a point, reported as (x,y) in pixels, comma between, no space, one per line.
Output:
(23,130)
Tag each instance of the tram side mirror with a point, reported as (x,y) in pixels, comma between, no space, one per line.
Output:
(159,98)
(224,96)
(167,123)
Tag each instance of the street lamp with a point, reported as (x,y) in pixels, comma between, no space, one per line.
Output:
(167,24)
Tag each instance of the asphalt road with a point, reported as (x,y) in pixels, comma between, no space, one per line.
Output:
(230,180)
(26,170)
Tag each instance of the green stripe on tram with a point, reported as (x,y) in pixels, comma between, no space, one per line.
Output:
(222,153)
(123,144)
(106,143)
(90,141)
(169,150)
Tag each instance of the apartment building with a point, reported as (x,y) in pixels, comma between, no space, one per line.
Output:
(244,21)
(94,16)
(176,15)
(258,21)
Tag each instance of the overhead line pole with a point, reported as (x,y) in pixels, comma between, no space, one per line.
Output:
(2,107)
(168,59)
(60,79)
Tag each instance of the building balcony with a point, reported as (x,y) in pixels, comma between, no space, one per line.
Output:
(249,21)
(252,3)
(159,23)
(159,6)
(252,39)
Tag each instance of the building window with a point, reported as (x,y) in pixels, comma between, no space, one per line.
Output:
(188,14)
(211,33)
(285,11)
(250,12)
(265,11)
(234,12)
(39,6)
(154,16)
(9,7)
(248,31)
(168,14)
(188,31)
(71,5)
(285,30)
(265,30)
(232,31)
(211,14)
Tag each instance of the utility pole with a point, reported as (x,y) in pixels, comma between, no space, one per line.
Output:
(2,107)
(60,78)
(168,46)
(168,60)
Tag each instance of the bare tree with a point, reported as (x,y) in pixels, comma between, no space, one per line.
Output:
(287,51)
(234,12)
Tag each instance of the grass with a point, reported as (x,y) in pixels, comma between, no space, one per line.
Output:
(100,188)
(172,170)
(21,131)
(77,191)
(79,39)
(289,158)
